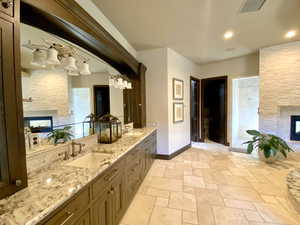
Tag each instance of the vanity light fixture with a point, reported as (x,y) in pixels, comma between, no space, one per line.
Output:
(38,58)
(85,70)
(52,56)
(120,82)
(228,35)
(71,64)
(290,34)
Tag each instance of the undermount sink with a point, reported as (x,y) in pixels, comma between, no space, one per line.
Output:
(90,160)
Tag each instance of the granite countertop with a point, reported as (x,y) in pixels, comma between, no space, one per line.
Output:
(51,186)
(293,183)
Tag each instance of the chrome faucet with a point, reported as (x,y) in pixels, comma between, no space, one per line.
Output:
(73,144)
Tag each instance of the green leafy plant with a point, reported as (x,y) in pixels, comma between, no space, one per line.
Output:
(269,144)
(63,135)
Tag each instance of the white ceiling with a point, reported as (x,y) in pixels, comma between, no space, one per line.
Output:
(195,28)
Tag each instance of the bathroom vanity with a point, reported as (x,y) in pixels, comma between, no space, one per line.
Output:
(96,187)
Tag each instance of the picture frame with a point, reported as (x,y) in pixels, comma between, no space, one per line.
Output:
(178,112)
(178,89)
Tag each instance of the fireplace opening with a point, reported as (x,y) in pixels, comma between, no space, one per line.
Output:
(295,128)
(39,124)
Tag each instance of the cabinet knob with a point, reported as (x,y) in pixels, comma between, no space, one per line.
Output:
(7,3)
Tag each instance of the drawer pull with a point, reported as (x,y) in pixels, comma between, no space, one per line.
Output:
(68,218)
(7,3)
(111,175)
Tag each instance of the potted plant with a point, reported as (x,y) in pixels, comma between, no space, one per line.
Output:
(60,136)
(269,146)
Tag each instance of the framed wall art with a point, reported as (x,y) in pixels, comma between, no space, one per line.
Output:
(178,112)
(178,89)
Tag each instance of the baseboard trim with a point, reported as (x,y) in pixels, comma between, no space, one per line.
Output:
(179,151)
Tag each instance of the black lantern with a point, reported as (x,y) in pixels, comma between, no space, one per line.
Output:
(110,129)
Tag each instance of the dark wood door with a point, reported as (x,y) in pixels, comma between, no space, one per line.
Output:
(214,109)
(195,109)
(101,210)
(102,100)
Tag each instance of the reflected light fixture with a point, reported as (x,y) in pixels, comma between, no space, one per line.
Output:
(85,70)
(71,64)
(129,85)
(52,56)
(38,58)
(73,73)
(228,35)
(290,34)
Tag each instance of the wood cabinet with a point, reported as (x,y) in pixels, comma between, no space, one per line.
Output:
(107,197)
(13,174)
(84,220)
(101,210)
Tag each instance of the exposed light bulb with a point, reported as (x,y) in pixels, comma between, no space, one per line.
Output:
(228,35)
(290,34)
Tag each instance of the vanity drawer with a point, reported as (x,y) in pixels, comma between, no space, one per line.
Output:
(69,213)
(99,186)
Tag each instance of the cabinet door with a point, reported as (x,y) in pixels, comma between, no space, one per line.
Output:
(84,220)
(12,148)
(118,199)
(101,210)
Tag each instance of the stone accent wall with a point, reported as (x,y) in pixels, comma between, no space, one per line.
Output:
(279,87)
(49,90)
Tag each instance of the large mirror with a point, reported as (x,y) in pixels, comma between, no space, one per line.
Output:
(64,87)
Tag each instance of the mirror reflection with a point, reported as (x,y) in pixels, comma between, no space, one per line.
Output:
(65,89)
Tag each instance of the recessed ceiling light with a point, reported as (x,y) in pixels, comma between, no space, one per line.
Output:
(228,35)
(290,34)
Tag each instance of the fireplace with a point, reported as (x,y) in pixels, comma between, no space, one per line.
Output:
(39,124)
(295,128)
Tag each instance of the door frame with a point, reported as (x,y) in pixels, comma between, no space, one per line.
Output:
(94,97)
(199,114)
(225,78)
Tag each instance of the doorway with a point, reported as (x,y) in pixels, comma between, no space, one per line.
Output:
(101,100)
(245,104)
(214,110)
(195,109)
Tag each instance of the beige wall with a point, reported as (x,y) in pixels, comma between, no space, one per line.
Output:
(157,94)
(163,65)
(240,66)
(181,68)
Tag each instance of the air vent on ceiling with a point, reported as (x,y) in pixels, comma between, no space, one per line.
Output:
(252,5)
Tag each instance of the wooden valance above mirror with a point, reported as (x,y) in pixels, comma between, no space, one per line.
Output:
(68,20)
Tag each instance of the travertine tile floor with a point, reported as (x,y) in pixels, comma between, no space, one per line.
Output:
(213,188)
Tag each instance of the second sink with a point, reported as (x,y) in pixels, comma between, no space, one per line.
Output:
(90,160)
